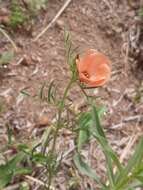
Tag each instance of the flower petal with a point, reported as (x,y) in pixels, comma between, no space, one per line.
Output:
(94,68)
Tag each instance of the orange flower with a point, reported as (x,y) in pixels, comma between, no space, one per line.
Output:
(94,68)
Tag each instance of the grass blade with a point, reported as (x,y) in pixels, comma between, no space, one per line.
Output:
(133,164)
(98,132)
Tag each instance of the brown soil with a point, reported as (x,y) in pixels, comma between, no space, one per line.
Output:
(92,24)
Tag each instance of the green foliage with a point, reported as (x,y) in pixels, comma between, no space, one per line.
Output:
(6,57)
(70,55)
(85,126)
(133,170)
(85,169)
(23,13)
(50,96)
(1,105)
(84,123)
(12,168)
(18,16)
(126,177)
(24,186)
(138,98)
(36,5)
(141,12)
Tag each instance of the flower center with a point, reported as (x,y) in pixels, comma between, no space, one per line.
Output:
(85,74)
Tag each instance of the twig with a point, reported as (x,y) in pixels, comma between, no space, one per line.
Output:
(116,126)
(36,180)
(67,2)
(9,39)
(12,187)
(128,147)
(116,102)
(128,119)
(66,153)
(20,61)
(132,118)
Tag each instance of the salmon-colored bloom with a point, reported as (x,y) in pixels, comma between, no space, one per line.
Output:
(94,68)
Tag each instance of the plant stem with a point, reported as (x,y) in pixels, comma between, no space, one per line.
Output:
(60,113)
(61,107)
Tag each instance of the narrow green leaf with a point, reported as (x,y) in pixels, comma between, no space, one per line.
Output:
(133,163)
(24,148)
(9,134)
(41,94)
(98,132)
(50,92)
(96,122)
(108,150)
(97,129)
(85,120)
(83,137)
(84,123)
(46,137)
(39,158)
(7,170)
(22,171)
(85,169)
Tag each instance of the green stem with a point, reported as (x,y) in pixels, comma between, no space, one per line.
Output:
(83,91)
(61,107)
(88,97)
(60,113)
